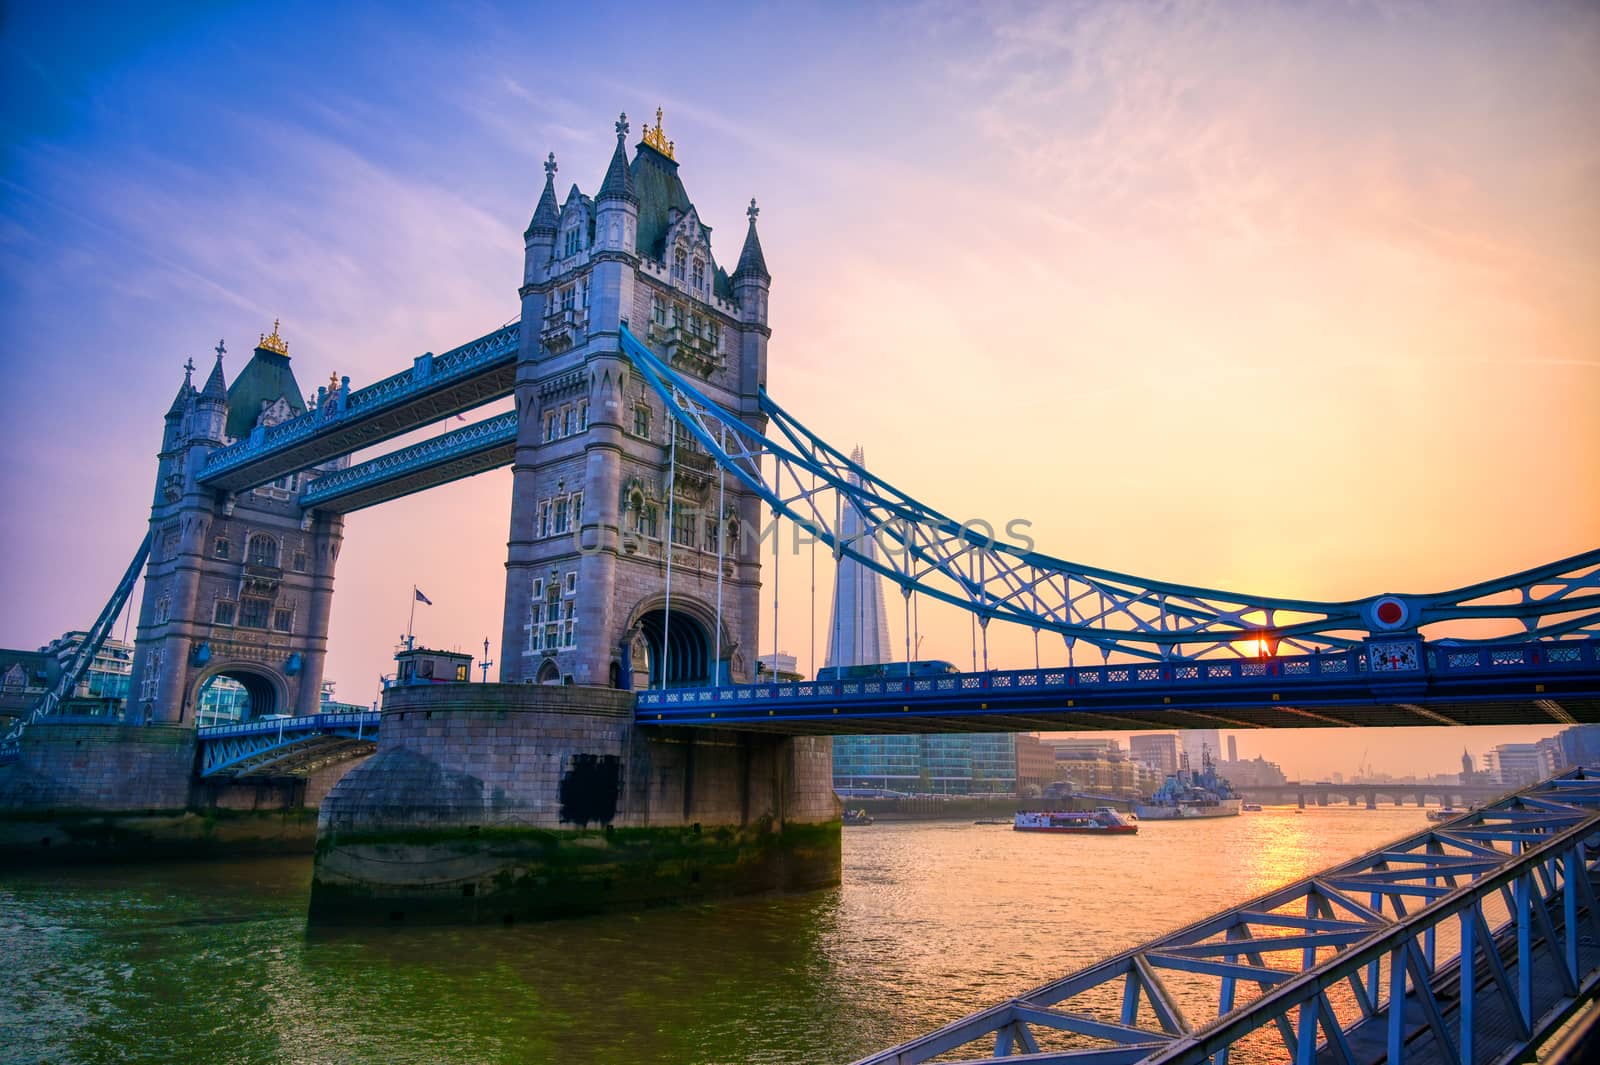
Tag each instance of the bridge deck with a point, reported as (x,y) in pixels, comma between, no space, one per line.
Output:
(1513,683)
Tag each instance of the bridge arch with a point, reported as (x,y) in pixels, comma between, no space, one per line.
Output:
(690,643)
(266,688)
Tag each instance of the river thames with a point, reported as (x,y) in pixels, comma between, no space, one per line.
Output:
(213,962)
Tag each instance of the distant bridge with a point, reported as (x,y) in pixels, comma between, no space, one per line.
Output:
(1317,793)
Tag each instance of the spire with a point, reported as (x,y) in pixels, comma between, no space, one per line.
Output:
(618,184)
(216,388)
(273,343)
(545,215)
(185,391)
(751,262)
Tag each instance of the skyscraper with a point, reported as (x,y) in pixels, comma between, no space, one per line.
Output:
(858,630)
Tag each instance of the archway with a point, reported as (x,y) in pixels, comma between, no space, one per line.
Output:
(688,649)
(233,696)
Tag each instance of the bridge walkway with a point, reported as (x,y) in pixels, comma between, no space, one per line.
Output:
(1358,964)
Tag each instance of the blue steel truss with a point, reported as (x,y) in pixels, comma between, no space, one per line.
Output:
(1514,682)
(447,457)
(84,656)
(278,746)
(1469,942)
(435,386)
(924,551)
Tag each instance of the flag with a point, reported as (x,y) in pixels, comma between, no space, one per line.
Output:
(420,597)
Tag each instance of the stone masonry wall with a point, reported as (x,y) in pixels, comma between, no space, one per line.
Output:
(100,767)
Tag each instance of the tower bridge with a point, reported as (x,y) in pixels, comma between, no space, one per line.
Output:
(648,464)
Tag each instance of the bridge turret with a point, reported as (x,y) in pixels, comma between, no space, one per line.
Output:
(617,222)
(211,406)
(539,240)
(752,284)
(176,430)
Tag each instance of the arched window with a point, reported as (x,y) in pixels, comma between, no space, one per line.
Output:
(263,550)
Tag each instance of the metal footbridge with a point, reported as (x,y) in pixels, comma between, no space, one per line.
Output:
(285,746)
(1470,942)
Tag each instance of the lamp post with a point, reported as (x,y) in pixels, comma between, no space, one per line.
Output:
(484,664)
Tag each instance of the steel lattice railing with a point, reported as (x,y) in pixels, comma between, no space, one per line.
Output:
(1468,942)
(926,552)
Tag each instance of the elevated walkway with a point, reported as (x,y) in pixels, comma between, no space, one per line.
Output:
(1470,942)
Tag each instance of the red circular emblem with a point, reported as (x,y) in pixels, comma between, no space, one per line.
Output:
(1389,612)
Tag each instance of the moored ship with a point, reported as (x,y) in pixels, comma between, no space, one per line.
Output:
(1187,794)
(1103,821)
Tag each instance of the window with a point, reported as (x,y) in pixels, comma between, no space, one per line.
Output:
(569,625)
(561,516)
(566,298)
(658,311)
(572,583)
(224,547)
(641,421)
(152,673)
(299,561)
(282,620)
(253,612)
(551,424)
(577,510)
(647,522)
(699,273)
(711,534)
(263,551)
(169,544)
(583,415)
(680,263)
(222,612)
(695,324)
(683,522)
(163,610)
(461,671)
(714,334)
(571,245)
(538,588)
(569,421)
(677,316)
(544,524)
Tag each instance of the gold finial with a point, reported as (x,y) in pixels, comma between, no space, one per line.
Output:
(274,343)
(333,381)
(657,139)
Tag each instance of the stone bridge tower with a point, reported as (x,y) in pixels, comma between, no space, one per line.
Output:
(238,584)
(594,512)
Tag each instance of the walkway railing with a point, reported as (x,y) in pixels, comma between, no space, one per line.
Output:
(227,749)
(1469,942)
(427,373)
(1443,662)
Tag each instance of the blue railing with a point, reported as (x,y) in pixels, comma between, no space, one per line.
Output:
(490,433)
(366,719)
(1442,661)
(427,373)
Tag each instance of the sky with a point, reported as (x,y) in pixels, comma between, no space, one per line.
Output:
(1294,299)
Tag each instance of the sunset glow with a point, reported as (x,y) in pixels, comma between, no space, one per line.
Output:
(1300,300)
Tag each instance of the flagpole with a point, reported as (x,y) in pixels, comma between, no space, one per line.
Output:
(411,622)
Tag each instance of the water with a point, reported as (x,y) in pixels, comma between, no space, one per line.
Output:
(213,962)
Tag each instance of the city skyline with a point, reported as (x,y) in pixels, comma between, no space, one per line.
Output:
(1063,256)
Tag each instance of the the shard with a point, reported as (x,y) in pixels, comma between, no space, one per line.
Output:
(858,631)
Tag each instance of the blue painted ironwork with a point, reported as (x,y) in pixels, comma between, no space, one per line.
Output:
(293,445)
(83,657)
(1536,682)
(1468,942)
(922,550)
(282,745)
(447,457)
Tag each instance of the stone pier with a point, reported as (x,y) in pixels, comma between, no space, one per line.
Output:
(506,802)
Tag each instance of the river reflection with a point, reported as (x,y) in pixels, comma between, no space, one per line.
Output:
(213,962)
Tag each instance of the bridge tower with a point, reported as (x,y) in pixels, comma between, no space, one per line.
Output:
(602,493)
(237,584)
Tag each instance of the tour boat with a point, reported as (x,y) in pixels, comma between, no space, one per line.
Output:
(1104,821)
(1444,813)
(1251,807)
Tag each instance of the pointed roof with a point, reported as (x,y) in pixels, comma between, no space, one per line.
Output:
(751,262)
(266,378)
(618,184)
(544,215)
(185,391)
(216,387)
